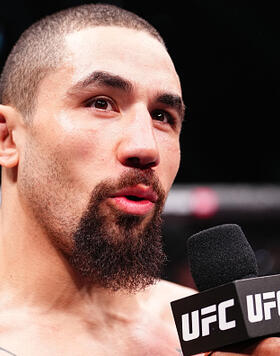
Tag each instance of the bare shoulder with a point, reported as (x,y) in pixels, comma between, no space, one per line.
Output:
(169,291)
(164,292)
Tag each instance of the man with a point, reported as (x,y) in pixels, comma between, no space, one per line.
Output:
(90,122)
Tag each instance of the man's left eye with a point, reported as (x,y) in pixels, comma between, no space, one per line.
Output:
(161,115)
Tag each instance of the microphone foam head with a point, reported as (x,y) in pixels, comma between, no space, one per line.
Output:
(220,255)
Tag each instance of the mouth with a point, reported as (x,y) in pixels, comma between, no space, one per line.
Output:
(138,200)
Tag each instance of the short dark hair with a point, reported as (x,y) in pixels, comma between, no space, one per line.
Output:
(40,48)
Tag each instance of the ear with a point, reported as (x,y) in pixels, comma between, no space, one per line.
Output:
(9,118)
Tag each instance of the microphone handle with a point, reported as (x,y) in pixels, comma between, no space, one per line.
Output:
(245,347)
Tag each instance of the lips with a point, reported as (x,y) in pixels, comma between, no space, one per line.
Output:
(137,200)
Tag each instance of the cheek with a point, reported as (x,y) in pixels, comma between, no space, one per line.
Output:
(75,141)
(80,146)
(90,157)
(170,162)
(83,139)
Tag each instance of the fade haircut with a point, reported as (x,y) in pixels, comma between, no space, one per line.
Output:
(41,48)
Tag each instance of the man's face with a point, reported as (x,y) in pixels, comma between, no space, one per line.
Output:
(104,143)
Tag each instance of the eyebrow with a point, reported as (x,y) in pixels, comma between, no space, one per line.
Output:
(102,79)
(110,80)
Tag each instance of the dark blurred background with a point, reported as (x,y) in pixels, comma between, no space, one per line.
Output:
(227,55)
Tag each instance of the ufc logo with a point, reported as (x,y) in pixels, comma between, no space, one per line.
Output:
(259,306)
(201,320)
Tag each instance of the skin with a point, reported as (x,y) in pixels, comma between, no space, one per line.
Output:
(49,171)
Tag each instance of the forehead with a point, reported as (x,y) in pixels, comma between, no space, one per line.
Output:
(134,55)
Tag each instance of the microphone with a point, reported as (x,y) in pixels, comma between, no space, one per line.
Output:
(234,305)
(220,255)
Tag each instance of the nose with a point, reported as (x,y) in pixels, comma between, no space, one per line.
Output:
(138,146)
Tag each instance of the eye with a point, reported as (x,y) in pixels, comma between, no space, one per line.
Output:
(101,103)
(163,116)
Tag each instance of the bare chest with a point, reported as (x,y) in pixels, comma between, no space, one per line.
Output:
(150,338)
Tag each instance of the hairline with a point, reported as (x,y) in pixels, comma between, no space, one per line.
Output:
(46,40)
(64,52)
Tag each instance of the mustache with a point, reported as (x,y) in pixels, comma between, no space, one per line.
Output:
(130,178)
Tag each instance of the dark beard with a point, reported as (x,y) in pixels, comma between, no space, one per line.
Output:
(119,251)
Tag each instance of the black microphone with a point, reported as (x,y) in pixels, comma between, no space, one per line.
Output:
(234,305)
